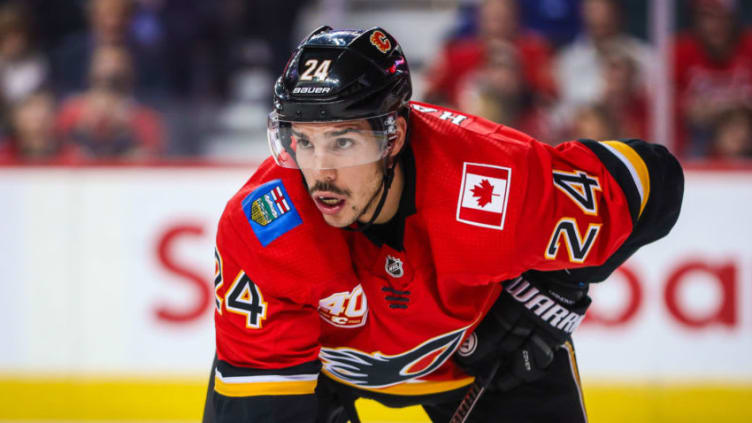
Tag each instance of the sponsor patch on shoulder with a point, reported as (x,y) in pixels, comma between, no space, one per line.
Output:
(270,212)
(483,195)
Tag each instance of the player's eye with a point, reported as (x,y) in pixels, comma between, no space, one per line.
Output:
(343,143)
(303,143)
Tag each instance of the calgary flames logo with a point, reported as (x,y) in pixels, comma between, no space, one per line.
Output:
(380,41)
(379,370)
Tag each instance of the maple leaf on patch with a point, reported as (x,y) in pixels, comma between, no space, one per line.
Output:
(483,192)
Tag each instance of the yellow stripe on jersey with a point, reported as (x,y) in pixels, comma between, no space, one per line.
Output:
(636,167)
(298,387)
(576,375)
(414,388)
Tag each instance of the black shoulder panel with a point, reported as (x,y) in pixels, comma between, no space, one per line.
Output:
(619,171)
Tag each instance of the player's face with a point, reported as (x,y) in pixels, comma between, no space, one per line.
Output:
(342,194)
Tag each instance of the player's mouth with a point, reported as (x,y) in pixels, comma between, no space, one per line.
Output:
(328,202)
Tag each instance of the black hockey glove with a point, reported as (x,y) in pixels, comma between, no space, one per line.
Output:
(533,316)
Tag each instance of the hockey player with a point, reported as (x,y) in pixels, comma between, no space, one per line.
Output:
(398,251)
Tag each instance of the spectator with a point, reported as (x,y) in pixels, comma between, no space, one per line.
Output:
(623,94)
(498,92)
(32,136)
(111,25)
(106,121)
(594,122)
(732,136)
(622,107)
(199,40)
(579,66)
(712,73)
(22,69)
(498,20)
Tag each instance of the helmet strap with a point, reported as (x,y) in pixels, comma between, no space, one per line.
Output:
(386,182)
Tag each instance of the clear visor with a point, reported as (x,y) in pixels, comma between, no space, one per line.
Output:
(331,144)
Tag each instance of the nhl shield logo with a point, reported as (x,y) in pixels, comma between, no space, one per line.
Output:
(393,267)
(468,346)
(483,195)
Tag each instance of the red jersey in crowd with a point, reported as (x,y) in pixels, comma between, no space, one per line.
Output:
(460,58)
(718,83)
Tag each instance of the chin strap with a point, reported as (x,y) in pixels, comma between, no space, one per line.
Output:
(386,181)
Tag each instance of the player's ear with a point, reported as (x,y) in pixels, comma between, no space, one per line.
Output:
(401,138)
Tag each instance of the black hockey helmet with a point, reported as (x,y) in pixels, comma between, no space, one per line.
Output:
(339,76)
(343,75)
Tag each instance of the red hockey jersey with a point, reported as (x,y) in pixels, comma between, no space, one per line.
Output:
(487,203)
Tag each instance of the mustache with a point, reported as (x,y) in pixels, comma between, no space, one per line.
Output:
(326,186)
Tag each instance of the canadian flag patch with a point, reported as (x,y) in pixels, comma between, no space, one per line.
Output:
(483,195)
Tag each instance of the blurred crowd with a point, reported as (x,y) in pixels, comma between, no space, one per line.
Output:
(85,80)
(143,79)
(589,76)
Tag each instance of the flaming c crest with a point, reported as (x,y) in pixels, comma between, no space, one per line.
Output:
(380,41)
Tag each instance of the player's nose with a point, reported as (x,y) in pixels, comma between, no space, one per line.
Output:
(327,175)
